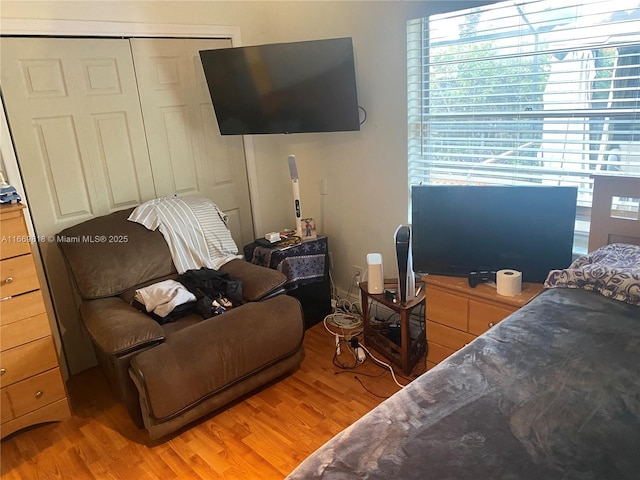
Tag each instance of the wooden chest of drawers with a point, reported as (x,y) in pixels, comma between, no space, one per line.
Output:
(32,389)
(456,314)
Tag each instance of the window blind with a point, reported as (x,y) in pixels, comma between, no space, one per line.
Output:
(526,92)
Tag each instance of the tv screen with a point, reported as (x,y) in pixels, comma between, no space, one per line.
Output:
(462,228)
(293,87)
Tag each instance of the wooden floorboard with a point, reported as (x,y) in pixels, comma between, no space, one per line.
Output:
(263,436)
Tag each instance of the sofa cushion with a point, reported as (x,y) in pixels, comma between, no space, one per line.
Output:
(109,254)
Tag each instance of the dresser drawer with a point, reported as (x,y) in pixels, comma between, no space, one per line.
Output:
(18,275)
(483,316)
(27,360)
(14,236)
(6,413)
(35,392)
(54,412)
(437,353)
(447,309)
(447,336)
(24,331)
(21,306)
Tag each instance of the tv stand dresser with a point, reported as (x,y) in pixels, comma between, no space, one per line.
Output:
(456,313)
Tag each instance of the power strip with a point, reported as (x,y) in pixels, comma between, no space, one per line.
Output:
(383,311)
(361,356)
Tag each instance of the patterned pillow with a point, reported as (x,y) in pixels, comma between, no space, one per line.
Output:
(612,271)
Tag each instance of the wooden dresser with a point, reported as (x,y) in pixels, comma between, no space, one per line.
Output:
(32,389)
(456,313)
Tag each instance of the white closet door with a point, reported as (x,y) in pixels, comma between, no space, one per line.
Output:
(75,120)
(188,154)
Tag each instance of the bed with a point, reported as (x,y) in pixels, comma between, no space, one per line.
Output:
(552,391)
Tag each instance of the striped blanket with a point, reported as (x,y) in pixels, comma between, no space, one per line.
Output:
(194,228)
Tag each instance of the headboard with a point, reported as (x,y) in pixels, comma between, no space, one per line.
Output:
(605,228)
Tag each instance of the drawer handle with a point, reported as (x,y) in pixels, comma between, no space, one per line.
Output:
(9,280)
(39,394)
(3,371)
(491,324)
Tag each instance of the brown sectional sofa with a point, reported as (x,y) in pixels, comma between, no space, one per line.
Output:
(169,375)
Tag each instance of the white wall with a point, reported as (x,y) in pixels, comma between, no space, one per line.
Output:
(365,171)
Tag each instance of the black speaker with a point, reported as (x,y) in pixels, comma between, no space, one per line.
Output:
(406,278)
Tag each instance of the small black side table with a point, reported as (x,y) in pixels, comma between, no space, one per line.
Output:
(406,351)
(306,266)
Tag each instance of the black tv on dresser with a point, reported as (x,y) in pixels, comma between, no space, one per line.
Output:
(458,229)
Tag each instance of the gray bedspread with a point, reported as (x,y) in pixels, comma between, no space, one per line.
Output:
(551,392)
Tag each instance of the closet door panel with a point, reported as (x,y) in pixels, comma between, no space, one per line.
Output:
(75,119)
(165,85)
(216,148)
(61,160)
(180,168)
(114,148)
(115,131)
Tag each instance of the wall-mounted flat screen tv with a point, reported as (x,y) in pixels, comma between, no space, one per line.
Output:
(462,228)
(295,87)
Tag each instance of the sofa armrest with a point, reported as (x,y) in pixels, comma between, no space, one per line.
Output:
(257,282)
(118,328)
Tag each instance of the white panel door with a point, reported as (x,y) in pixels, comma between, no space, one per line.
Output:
(188,154)
(75,119)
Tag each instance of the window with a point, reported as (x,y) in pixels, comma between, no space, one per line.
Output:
(526,92)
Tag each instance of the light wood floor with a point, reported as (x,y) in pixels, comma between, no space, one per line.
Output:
(263,436)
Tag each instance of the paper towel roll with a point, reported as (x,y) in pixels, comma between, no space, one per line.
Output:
(508,282)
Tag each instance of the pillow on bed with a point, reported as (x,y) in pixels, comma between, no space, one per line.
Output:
(612,271)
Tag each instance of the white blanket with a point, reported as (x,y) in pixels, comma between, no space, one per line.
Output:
(194,228)
(162,297)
